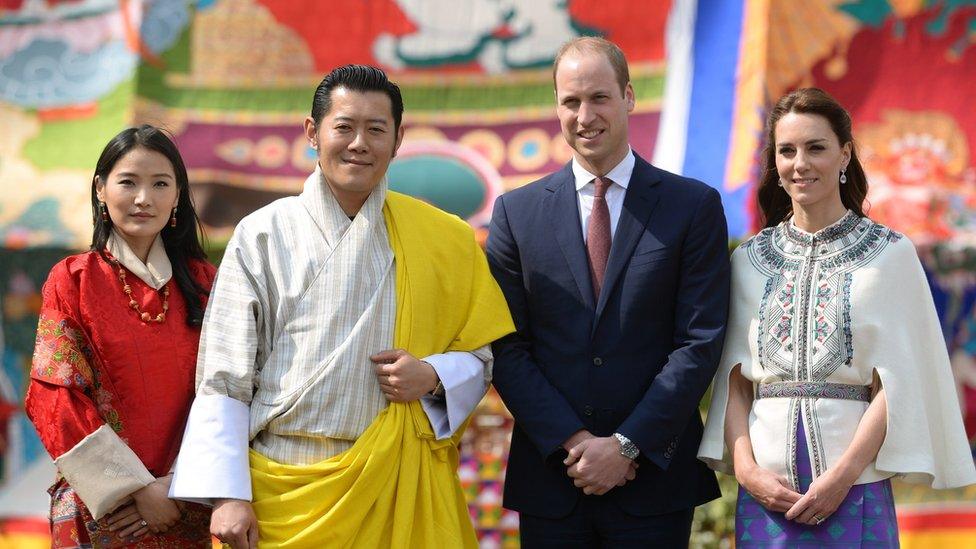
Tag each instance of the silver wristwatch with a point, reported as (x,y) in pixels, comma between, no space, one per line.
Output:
(627,448)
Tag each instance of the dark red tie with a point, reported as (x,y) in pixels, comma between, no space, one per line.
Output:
(598,235)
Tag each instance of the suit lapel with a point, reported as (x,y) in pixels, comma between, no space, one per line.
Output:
(564,217)
(639,202)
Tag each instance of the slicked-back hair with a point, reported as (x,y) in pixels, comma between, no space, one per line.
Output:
(602,46)
(182,242)
(358,78)
(774,203)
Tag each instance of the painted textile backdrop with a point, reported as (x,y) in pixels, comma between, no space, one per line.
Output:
(233,81)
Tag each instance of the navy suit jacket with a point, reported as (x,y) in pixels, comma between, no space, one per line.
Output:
(636,360)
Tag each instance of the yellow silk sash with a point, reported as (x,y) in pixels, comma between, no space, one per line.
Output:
(397,486)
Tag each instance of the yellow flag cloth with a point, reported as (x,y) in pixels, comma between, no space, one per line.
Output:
(397,486)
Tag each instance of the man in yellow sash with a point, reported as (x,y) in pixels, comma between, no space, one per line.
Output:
(344,346)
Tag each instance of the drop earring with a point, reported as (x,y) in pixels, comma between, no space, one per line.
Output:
(172,218)
(843,176)
(102,208)
(780,182)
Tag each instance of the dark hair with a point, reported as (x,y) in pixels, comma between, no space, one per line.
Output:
(360,78)
(774,204)
(602,46)
(181,242)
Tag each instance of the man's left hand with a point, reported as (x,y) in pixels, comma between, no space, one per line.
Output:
(596,465)
(402,377)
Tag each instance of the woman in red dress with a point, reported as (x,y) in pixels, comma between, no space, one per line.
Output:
(114,363)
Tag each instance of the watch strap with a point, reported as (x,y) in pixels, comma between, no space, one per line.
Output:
(627,448)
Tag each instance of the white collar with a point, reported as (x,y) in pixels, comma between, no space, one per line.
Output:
(156,271)
(329,216)
(620,174)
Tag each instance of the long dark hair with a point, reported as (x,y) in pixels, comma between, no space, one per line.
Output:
(774,204)
(182,242)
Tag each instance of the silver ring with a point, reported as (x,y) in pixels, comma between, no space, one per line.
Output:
(144,523)
(818,518)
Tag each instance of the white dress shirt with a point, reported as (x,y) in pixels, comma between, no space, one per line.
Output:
(585,188)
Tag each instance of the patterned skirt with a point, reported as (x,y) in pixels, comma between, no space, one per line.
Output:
(866,517)
(73,527)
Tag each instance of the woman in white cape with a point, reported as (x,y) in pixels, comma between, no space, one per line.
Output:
(834,376)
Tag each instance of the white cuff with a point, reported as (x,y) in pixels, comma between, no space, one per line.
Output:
(103,471)
(463,376)
(213,460)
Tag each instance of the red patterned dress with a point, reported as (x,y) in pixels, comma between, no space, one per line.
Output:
(100,373)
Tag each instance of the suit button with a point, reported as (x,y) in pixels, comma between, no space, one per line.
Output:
(587,411)
(598,361)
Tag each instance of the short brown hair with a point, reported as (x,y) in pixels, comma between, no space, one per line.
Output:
(595,44)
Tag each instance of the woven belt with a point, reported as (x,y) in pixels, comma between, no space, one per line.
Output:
(813,389)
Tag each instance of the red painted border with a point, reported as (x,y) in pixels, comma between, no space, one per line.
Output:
(937,520)
(25,526)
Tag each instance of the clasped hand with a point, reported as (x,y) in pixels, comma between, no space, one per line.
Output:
(596,465)
(824,496)
(150,510)
(402,377)
(773,492)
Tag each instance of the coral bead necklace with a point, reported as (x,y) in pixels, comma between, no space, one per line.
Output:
(146,317)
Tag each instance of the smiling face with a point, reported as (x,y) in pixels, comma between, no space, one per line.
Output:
(140,193)
(356,140)
(593,110)
(809,159)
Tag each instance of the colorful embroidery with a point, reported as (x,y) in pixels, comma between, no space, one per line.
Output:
(813,389)
(813,424)
(810,277)
(62,356)
(805,325)
(791,448)
(829,234)
(846,317)
(67,525)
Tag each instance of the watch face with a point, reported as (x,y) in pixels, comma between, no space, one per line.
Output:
(627,448)
(630,450)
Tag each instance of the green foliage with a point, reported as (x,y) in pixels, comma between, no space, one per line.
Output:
(714,524)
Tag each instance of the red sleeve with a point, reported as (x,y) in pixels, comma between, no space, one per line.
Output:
(60,398)
(62,417)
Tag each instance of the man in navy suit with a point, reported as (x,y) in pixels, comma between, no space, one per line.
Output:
(617,276)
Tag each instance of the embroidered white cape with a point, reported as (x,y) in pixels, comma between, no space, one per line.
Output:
(835,306)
